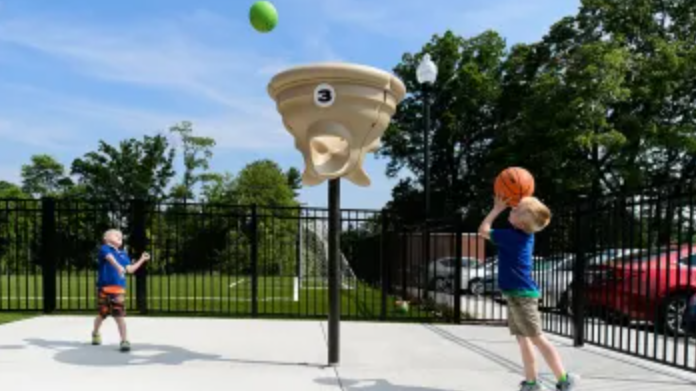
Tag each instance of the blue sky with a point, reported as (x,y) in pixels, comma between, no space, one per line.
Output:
(73,72)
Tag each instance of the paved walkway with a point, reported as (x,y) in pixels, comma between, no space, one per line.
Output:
(204,354)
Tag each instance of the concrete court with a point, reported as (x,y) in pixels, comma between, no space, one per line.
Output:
(195,354)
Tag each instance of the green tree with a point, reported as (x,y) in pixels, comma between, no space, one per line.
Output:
(109,179)
(558,97)
(659,36)
(263,183)
(18,230)
(463,122)
(10,190)
(217,233)
(135,169)
(197,152)
(603,103)
(294,180)
(218,188)
(44,176)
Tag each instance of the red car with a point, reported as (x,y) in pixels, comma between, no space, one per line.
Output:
(653,287)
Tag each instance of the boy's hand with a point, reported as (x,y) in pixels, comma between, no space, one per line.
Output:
(500,204)
(498,207)
(145,257)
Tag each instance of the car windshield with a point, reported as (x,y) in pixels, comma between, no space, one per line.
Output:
(470,263)
(689,260)
(616,256)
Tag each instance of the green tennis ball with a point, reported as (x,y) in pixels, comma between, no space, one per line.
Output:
(263,16)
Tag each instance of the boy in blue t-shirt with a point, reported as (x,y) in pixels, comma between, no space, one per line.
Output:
(114,263)
(515,250)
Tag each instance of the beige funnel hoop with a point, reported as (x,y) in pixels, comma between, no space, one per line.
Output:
(336,113)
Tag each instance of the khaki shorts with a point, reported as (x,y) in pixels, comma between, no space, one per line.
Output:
(524,319)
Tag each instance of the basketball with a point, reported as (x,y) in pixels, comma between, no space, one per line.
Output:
(514,183)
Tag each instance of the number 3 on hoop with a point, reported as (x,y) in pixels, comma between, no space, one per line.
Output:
(324,95)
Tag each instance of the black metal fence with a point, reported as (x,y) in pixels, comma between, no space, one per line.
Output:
(221,260)
(615,271)
(636,299)
(618,272)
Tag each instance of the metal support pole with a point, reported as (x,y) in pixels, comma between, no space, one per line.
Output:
(579,270)
(426,188)
(426,163)
(334,270)
(48,254)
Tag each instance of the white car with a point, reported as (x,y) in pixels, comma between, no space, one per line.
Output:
(442,271)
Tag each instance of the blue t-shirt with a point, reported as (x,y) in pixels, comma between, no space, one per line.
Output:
(107,273)
(515,264)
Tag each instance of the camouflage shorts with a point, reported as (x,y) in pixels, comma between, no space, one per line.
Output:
(111,303)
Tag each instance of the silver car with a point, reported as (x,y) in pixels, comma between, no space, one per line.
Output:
(441,274)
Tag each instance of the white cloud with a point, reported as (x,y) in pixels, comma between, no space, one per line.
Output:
(224,87)
(47,134)
(152,55)
(79,120)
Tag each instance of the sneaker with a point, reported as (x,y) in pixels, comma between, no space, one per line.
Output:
(527,386)
(96,339)
(125,346)
(568,384)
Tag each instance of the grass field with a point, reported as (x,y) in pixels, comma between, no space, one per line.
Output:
(212,294)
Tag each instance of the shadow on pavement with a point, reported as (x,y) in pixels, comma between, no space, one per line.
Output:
(514,367)
(373,385)
(77,353)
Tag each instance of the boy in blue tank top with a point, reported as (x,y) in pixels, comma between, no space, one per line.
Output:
(515,251)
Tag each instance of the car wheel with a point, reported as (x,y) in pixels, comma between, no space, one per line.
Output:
(477,288)
(565,305)
(671,315)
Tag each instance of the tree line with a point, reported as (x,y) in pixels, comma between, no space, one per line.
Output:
(604,103)
(199,220)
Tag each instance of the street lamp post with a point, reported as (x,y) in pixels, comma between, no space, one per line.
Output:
(426,75)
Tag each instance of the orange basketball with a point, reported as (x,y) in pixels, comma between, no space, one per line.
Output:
(514,183)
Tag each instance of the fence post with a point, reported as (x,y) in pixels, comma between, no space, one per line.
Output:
(384,265)
(138,243)
(403,255)
(48,254)
(459,251)
(580,268)
(254,238)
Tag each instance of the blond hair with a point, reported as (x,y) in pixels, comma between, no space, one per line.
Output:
(534,216)
(112,232)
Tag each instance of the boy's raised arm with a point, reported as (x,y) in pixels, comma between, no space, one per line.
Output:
(485,227)
(143,258)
